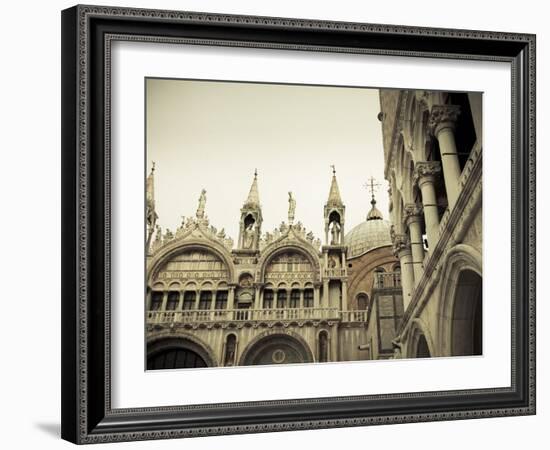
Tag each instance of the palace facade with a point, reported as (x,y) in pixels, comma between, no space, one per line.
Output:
(274,298)
(433,163)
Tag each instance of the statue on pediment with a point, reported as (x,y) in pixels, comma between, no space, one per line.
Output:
(291,208)
(202,205)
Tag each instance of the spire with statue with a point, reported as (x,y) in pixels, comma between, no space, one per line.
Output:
(334,213)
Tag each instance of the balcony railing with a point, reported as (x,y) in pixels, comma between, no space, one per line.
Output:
(354,316)
(335,273)
(248,315)
(383,280)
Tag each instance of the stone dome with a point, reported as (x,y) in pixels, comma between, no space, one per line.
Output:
(372,233)
(366,236)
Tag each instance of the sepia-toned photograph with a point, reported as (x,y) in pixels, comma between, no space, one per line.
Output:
(289,223)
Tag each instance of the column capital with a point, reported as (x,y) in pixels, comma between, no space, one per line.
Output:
(412,213)
(401,245)
(443,116)
(426,172)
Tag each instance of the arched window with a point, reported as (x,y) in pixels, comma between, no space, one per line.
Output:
(308,298)
(281,298)
(295,298)
(323,346)
(268,299)
(362,302)
(189,299)
(156,300)
(230,350)
(173,300)
(205,300)
(221,300)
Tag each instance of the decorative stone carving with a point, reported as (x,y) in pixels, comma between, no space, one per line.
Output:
(443,116)
(400,243)
(426,170)
(168,235)
(412,213)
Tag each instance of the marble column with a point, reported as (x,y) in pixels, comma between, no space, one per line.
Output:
(425,173)
(402,250)
(180,303)
(213,303)
(164,300)
(231,298)
(344,295)
(442,121)
(197,298)
(258,297)
(316,298)
(413,219)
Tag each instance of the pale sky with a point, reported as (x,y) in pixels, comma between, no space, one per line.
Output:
(212,135)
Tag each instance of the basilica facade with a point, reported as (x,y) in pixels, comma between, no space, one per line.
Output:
(433,163)
(407,287)
(277,297)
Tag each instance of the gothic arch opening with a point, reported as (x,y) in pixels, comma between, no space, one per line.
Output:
(334,217)
(466,322)
(230,350)
(276,349)
(249,220)
(323,346)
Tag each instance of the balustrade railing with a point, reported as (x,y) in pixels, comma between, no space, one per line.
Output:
(354,316)
(387,280)
(241,315)
(335,273)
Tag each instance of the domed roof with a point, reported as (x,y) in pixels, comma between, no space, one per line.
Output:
(372,233)
(366,236)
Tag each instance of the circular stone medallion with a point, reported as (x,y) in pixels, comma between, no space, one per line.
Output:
(278,356)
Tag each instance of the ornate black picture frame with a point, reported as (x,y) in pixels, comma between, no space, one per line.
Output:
(87,34)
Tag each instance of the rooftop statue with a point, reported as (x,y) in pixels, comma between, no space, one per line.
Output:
(291,208)
(202,204)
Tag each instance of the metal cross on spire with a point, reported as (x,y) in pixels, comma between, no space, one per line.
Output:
(372,185)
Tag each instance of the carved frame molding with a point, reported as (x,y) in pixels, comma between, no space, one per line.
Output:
(87,34)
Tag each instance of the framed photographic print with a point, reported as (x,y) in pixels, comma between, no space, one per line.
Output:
(281,224)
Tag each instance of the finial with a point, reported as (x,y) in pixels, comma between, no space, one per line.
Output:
(372,186)
(373,214)
(153,167)
(333,169)
(255,173)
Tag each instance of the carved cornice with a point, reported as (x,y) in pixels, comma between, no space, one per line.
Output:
(443,116)
(425,171)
